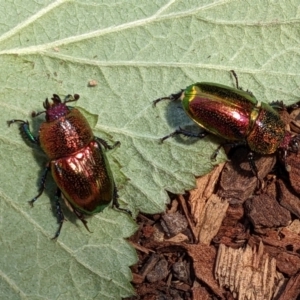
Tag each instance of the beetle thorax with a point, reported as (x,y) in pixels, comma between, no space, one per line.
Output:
(65,135)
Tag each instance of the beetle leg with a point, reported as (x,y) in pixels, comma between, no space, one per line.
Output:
(105,144)
(172,97)
(42,186)
(80,216)
(252,164)
(25,130)
(116,203)
(260,183)
(237,83)
(115,195)
(228,144)
(59,213)
(185,133)
(292,107)
(284,154)
(216,152)
(236,79)
(294,144)
(279,105)
(292,147)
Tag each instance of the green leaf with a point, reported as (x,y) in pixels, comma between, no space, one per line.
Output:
(137,51)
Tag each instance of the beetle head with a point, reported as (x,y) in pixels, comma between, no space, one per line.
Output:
(56,109)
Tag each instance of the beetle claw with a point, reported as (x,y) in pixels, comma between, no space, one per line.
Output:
(84,222)
(32,201)
(59,229)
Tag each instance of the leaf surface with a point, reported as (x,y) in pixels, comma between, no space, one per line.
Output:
(137,51)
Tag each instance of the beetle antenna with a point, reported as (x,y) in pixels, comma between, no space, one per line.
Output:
(70,98)
(35,114)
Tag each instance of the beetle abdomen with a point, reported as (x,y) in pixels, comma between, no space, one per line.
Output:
(85,178)
(222,111)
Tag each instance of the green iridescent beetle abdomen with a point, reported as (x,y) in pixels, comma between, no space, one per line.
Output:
(234,115)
